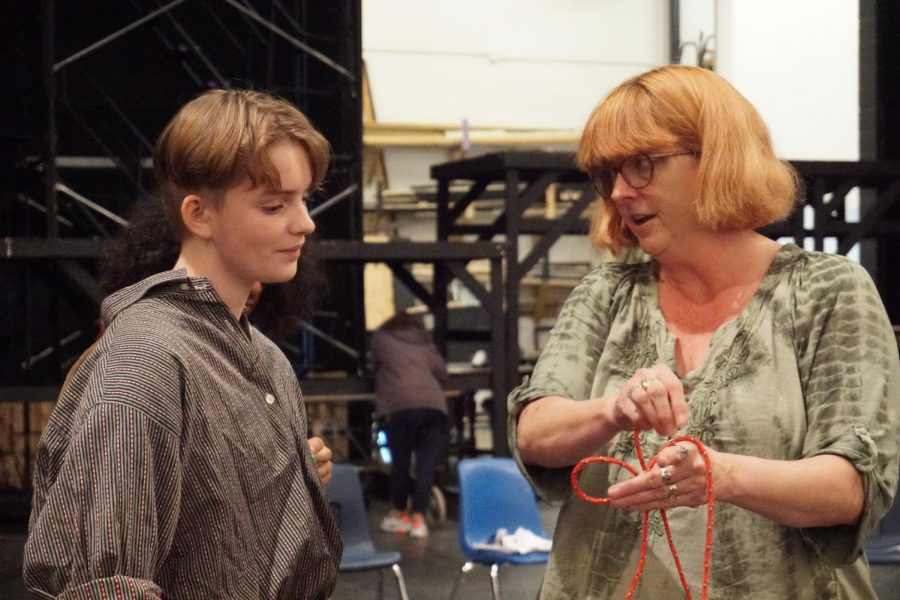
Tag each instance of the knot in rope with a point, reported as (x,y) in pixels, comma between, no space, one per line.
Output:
(707,557)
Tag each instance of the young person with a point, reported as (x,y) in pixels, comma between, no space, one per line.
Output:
(409,372)
(176,463)
(147,246)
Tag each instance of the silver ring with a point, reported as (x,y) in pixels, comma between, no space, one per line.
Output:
(666,474)
(631,391)
(684,452)
(673,491)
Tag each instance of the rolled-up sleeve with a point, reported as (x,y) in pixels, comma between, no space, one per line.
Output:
(567,366)
(850,371)
(107,489)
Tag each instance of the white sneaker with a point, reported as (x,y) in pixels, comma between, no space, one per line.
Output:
(396,524)
(418,528)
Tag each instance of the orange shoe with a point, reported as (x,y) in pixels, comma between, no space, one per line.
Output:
(396,522)
(418,528)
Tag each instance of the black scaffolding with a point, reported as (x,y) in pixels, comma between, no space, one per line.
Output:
(524,178)
(88,87)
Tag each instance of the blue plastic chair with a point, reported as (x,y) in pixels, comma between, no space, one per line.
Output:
(493,494)
(360,554)
(885,548)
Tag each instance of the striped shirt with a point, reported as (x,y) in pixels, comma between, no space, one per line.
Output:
(175,464)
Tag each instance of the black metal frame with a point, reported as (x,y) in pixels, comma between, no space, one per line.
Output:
(51,260)
(396,256)
(446,258)
(525,176)
(827,186)
(309,87)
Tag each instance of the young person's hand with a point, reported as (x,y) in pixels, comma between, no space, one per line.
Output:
(322,454)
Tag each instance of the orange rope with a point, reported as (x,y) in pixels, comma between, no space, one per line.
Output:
(707,556)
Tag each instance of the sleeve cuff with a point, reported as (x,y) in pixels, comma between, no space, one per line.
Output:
(119,587)
(842,544)
(551,485)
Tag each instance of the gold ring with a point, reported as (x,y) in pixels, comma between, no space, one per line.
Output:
(646,383)
(666,475)
(673,491)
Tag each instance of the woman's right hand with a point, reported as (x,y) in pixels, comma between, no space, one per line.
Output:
(555,431)
(651,399)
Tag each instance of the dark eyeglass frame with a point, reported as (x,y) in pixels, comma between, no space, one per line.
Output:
(610,173)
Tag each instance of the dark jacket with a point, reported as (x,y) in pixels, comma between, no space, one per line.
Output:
(408,370)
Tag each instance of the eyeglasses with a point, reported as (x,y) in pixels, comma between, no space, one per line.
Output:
(637,171)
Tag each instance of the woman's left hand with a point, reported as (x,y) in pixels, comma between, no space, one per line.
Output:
(677,479)
(322,454)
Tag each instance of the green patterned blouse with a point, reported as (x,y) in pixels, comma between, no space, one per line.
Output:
(809,367)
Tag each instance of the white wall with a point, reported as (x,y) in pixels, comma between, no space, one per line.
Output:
(546,63)
(798,62)
(697,25)
(535,63)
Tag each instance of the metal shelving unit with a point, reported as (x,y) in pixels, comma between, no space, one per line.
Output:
(525,177)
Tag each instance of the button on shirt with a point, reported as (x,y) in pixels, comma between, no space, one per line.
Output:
(162,475)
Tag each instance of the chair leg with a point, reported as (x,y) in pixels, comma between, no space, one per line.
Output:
(465,569)
(380,584)
(495,580)
(401,584)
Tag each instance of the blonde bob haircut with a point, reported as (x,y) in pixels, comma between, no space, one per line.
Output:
(741,183)
(221,138)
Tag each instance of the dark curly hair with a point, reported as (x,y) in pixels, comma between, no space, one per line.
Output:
(283,306)
(144,247)
(148,246)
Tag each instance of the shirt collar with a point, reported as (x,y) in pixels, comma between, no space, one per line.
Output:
(167,282)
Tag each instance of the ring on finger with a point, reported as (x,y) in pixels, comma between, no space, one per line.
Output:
(684,452)
(666,475)
(646,383)
(673,491)
(630,391)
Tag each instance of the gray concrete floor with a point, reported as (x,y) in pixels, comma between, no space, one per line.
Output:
(429,567)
